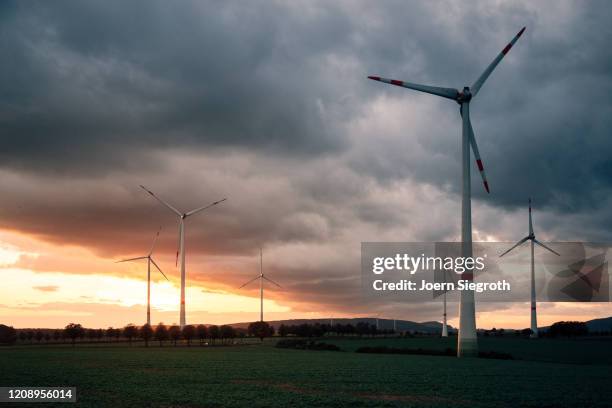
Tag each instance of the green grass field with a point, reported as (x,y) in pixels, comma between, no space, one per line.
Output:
(263,376)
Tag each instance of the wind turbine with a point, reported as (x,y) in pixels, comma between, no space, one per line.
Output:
(181,249)
(444,325)
(261,278)
(531,237)
(150,261)
(467,340)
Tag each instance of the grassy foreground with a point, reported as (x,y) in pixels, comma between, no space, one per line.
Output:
(263,376)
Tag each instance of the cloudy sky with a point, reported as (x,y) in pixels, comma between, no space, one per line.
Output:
(268,104)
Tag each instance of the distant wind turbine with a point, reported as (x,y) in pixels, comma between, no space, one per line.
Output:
(467,340)
(261,278)
(150,261)
(181,244)
(444,323)
(531,237)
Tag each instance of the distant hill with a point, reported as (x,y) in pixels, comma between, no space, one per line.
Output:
(600,325)
(383,324)
(595,326)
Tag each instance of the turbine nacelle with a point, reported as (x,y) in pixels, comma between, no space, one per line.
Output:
(464,96)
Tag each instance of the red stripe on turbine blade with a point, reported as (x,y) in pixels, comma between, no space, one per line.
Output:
(467,276)
(505,50)
(374,78)
(479,163)
(521,32)
(396,82)
(486,185)
(533,308)
(182,302)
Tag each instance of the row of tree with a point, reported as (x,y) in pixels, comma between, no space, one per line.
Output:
(213,334)
(74,332)
(320,330)
(558,329)
(161,333)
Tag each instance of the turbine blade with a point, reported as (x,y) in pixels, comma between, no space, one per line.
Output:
(483,77)
(154,241)
(171,208)
(449,93)
(159,269)
(545,247)
(517,244)
(252,280)
(132,259)
(271,281)
(197,210)
(477,156)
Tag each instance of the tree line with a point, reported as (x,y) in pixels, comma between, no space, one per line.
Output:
(223,334)
(162,333)
(159,333)
(322,329)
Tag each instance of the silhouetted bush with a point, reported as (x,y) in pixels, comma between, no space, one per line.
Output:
(568,329)
(189,332)
(73,331)
(146,332)
(175,333)
(129,332)
(161,333)
(227,332)
(8,335)
(495,355)
(306,345)
(261,330)
(214,333)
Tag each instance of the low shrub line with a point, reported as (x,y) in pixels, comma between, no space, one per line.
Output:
(306,345)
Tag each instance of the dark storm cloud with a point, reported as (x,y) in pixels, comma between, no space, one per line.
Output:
(542,119)
(92,86)
(91,83)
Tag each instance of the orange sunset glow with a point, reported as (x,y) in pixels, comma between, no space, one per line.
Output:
(50,285)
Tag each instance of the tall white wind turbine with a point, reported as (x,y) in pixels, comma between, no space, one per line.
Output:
(531,237)
(150,261)
(181,244)
(467,341)
(261,278)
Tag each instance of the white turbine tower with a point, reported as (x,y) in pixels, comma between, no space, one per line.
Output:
(467,340)
(261,278)
(444,325)
(150,261)
(181,249)
(531,237)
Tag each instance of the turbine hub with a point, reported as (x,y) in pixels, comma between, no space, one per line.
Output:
(183,216)
(464,96)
